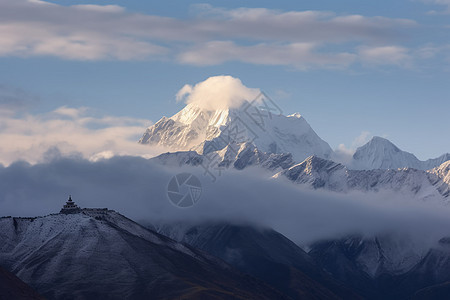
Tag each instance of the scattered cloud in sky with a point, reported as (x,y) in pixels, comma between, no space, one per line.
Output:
(430,51)
(385,55)
(300,26)
(217,92)
(209,36)
(361,139)
(68,131)
(299,55)
(100,8)
(443,3)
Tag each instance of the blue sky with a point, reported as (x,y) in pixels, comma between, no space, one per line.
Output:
(351,68)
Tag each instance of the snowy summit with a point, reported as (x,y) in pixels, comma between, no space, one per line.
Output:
(208,128)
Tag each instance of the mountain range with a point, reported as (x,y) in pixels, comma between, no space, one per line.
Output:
(384,266)
(319,173)
(388,266)
(225,131)
(99,253)
(289,148)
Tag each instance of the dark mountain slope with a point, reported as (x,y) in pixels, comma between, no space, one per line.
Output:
(103,255)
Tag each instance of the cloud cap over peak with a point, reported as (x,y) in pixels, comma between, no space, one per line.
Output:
(217,93)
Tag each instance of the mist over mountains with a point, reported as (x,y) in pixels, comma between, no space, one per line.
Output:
(281,215)
(392,262)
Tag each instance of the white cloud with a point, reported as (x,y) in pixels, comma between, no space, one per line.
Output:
(385,55)
(299,55)
(210,36)
(137,188)
(183,92)
(100,8)
(300,26)
(344,154)
(69,131)
(445,3)
(430,51)
(40,2)
(218,92)
(79,32)
(70,111)
(361,139)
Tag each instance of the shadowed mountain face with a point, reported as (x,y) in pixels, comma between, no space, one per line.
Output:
(103,255)
(437,292)
(265,254)
(387,267)
(12,287)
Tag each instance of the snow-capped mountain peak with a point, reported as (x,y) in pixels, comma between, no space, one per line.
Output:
(203,130)
(380,153)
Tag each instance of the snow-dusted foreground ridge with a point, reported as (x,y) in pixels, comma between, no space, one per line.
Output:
(100,254)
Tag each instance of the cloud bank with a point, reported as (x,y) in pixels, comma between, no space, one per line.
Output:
(137,188)
(67,131)
(217,92)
